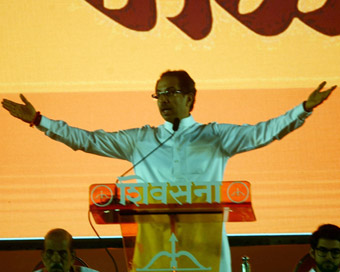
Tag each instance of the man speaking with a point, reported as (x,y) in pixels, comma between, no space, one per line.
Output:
(195,152)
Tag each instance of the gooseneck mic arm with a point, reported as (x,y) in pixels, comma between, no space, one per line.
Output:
(175,127)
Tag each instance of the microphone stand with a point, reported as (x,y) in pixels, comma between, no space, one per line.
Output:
(175,127)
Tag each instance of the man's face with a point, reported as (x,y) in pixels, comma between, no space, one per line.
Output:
(57,256)
(327,255)
(176,105)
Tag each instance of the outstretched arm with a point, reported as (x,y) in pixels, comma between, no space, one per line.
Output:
(109,144)
(317,97)
(25,112)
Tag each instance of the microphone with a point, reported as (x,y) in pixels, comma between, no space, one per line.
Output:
(175,127)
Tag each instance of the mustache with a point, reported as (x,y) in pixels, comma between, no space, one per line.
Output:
(57,265)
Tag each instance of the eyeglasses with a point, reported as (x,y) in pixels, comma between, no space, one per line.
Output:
(322,252)
(62,253)
(168,93)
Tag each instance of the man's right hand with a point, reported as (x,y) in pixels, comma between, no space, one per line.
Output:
(26,112)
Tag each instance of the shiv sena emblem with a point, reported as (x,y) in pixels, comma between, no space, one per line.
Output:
(173,256)
(238,192)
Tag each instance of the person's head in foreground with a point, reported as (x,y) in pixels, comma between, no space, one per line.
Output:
(58,254)
(325,248)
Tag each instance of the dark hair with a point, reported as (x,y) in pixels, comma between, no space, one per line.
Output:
(60,234)
(326,231)
(186,82)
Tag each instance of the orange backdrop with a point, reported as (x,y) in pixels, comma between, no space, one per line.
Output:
(75,63)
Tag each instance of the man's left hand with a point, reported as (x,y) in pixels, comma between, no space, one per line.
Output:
(318,96)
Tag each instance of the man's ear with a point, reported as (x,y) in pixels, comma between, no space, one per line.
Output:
(312,253)
(42,254)
(73,254)
(190,99)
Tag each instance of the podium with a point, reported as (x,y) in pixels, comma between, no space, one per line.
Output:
(171,227)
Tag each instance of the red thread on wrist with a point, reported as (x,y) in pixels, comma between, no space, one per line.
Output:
(35,119)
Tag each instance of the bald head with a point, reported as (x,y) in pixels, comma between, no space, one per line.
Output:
(59,234)
(58,254)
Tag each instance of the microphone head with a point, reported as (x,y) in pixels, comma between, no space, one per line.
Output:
(175,125)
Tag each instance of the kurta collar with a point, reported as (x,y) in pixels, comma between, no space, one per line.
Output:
(185,123)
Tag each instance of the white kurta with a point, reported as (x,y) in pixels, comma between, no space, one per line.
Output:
(196,152)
